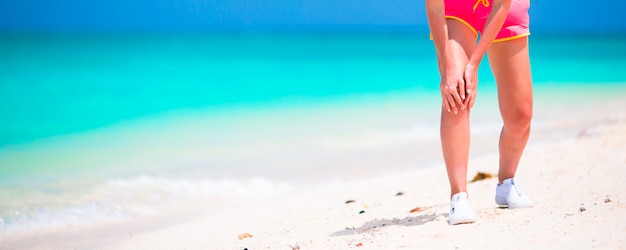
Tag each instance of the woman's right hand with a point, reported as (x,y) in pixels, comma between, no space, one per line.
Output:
(453,91)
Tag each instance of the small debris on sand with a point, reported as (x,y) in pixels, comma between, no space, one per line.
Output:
(482,176)
(350,201)
(245,235)
(399,193)
(417,209)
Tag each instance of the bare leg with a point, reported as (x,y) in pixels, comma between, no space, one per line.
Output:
(510,64)
(455,130)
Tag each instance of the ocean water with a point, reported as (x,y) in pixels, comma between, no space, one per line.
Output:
(101,127)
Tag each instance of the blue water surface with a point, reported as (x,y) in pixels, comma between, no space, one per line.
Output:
(54,84)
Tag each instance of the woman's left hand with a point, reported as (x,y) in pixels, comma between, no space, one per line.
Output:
(471,84)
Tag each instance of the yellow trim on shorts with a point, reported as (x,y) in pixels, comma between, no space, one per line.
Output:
(464,22)
(511,38)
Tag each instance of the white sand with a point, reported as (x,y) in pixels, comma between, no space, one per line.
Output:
(578,184)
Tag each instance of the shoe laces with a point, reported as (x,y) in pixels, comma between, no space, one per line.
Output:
(518,190)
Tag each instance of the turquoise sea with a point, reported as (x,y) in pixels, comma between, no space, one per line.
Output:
(116,126)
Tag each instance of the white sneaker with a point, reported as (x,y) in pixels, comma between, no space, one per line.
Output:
(510,195)
(460,210)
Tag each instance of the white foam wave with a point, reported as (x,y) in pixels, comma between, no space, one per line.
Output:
(124,199)
(201,187)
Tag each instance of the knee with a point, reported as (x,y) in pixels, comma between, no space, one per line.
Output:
(519,120)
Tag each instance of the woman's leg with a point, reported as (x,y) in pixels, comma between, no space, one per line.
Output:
(455,133)
(510,64)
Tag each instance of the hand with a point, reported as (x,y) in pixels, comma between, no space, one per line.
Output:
(470,76)
(453,91)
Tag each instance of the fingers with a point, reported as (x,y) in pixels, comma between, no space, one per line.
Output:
(459,94)
(470,98)
(458,101)
(453,95)
(448,103)
(462,90)
(451,101)
(445,103)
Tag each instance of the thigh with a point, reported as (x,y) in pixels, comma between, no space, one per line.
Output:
(459,46)
(461,41)
(510,64)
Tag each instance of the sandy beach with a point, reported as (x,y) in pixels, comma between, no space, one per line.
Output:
(575,174)
(577,185)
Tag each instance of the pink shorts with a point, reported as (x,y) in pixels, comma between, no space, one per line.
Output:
(474,13)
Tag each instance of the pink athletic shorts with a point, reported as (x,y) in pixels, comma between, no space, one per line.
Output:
(474,13)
